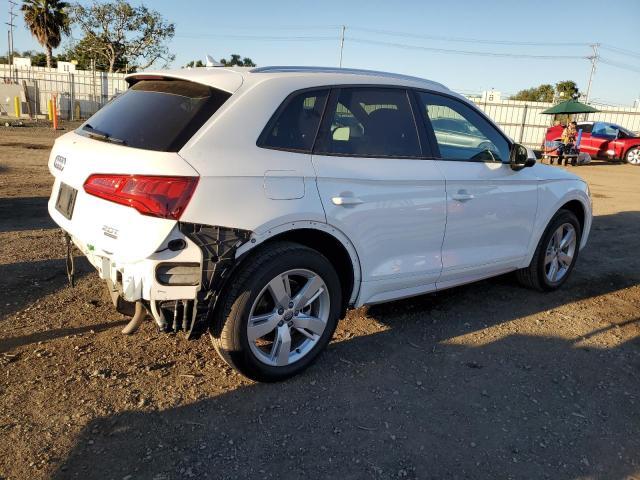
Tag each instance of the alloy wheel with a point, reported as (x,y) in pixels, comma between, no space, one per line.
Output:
(288,317)
(633,156)
(560,252)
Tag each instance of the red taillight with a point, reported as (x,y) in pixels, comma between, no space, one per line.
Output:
(164,197)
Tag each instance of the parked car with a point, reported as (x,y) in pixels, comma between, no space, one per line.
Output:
(603,140)
(263,203)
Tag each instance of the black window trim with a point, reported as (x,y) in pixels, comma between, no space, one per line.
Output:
(426,136)
(261,141)
(429,132)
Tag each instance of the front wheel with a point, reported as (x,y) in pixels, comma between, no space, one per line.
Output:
(633,156)
(555,255)
(279,313)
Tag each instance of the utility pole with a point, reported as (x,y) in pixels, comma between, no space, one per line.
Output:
(342,43)
(594,62)
(10,23)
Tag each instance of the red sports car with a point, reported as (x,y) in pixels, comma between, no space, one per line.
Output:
(602,140)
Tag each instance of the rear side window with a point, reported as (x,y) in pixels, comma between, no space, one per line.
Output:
(295,124)
(160,115)
(370,122)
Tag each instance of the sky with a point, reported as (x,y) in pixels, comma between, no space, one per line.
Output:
(306,32)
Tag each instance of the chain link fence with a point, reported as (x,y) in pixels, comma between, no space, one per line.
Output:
(78,94)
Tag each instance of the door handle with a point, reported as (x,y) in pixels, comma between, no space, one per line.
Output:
(346,201)
(462,196)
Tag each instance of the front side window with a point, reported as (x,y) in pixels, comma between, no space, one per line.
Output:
(370,122)
(295,125)
(160,115)
(461,132)
(605,130)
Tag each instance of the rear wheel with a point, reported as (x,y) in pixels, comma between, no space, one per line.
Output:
(633,156)
(279,314)
(555,255)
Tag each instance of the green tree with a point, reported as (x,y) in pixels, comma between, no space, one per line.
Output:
(567,89)
(119,36)
(547,93)
(236,60)
(194,63)
(543,93)
(47,20)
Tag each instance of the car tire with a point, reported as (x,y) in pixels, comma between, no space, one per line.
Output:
(294,334)
(632,156)
(553,261)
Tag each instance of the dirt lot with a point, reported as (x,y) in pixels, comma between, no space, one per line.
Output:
(484,381)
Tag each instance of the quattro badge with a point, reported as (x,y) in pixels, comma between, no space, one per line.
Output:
(59,162)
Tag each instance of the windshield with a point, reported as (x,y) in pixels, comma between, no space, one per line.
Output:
(628,133)
(160,115)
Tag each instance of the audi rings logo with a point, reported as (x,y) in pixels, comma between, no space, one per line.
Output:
(59,162)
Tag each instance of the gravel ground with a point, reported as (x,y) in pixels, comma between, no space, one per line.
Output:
(484,381)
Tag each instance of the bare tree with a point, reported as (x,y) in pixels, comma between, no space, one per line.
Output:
(124,37)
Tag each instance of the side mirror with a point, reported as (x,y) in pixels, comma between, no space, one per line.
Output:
(519,157)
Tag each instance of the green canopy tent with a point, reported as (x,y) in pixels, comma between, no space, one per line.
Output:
(569,107)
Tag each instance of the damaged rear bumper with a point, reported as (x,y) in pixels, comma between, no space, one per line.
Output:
(180,283)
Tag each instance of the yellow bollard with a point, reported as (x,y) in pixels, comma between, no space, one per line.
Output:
(50,110)
(16,106)
(55,112)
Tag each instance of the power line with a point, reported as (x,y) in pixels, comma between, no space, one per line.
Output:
(464,52)
(620,50)
(255,28)
(468,40)
(259,37)
(624,66)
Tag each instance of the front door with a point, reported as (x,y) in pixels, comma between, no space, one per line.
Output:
(377,189)
(602,137)
(490,207)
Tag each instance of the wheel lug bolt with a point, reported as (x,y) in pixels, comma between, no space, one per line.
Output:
(280,323)
(280,311)
(290,304)
(290,324)
(297,312)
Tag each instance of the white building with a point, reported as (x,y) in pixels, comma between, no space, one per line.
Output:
(491,95)
(22,62)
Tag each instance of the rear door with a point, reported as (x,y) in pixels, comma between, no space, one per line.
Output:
(378,189)
(490,207)
(129,143)
(586,141)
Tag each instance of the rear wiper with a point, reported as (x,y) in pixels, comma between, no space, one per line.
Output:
(100,135)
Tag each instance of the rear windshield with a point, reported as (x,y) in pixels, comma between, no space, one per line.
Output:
(159,115)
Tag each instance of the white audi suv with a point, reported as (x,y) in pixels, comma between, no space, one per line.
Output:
(260,204)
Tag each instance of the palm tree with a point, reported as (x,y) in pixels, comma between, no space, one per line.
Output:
(47,20)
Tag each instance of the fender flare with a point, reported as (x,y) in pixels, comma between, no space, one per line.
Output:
(259,238)
(573,195)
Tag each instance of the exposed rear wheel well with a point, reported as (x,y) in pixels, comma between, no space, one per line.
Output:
(328,246)
(575,207)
